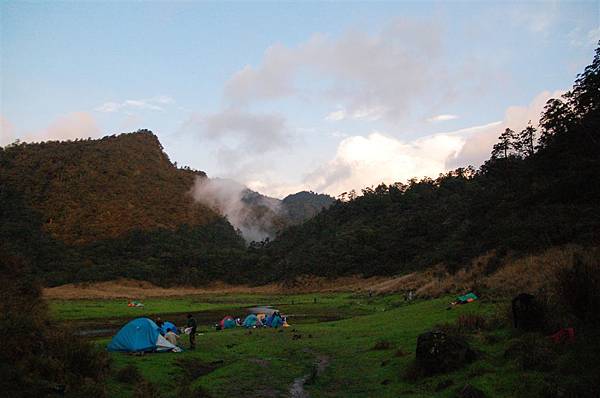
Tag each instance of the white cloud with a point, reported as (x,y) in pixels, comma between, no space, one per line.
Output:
(478,145)
(373,76)
(241,142)
(153,104)
(68,127)
(256,132)
(442,118)
(369,114)
(7,132)
(364,161)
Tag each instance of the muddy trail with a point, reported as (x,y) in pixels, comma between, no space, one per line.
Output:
(297,388)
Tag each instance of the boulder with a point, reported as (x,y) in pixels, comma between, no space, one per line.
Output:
(438,352)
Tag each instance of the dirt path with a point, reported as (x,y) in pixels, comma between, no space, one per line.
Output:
(297,388)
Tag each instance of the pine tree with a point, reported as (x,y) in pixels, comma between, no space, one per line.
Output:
(525,143)
(506,146)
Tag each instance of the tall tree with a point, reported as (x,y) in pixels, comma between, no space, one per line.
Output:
(506,145)
(525,144)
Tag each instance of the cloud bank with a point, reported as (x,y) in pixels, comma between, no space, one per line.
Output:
(362,161)
(374,76)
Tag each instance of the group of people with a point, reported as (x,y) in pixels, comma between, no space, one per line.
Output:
(171,333)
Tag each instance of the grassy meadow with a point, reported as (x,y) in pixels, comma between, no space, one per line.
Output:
(367,351)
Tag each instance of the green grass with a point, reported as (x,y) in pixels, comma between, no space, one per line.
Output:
(265,362)
(337,304)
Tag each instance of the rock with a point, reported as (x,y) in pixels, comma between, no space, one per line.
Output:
(438,352)
(468,391)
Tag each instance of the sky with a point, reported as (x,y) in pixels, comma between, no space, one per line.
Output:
(289,96)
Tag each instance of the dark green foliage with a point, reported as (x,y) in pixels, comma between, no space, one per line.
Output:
(579,291)
(532,351)
(304,205)
(37,358)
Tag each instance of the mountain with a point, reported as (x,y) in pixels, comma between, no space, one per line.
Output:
(113,207)
(118,207)
(90,190)
(304,205)
(256,216)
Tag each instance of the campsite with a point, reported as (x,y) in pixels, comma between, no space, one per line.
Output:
(352,341)
(310,199)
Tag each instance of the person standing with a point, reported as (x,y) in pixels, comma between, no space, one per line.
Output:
(193,325)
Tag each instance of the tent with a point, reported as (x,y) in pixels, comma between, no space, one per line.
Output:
(168,325)
(250,321)
(467,298)
(274,321)
(227,323)
(140,335)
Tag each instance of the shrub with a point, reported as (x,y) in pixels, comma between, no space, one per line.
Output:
(532,352)
(579,290)
(41,358)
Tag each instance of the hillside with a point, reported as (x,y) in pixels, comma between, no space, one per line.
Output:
(539,189)
(101,209)
(90,190)
(304,205)
(89,210)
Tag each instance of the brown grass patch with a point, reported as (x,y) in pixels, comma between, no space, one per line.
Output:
(508,276)
(134,289)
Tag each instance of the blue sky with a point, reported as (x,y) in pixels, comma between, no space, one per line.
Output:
(327,96)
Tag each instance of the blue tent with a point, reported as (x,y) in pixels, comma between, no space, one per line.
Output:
(168,325)
(274,321)
(250,321)
(141,334)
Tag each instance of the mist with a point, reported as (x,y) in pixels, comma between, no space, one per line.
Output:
(255,216)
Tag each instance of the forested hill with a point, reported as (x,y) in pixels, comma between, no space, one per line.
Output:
(304,205)
(540,188)
(89,190)
(109,208)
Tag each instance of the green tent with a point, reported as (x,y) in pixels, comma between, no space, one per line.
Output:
(467,298)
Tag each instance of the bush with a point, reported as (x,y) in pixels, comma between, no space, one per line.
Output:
(532,352)
(471,322)
(39,358)
(579,291)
